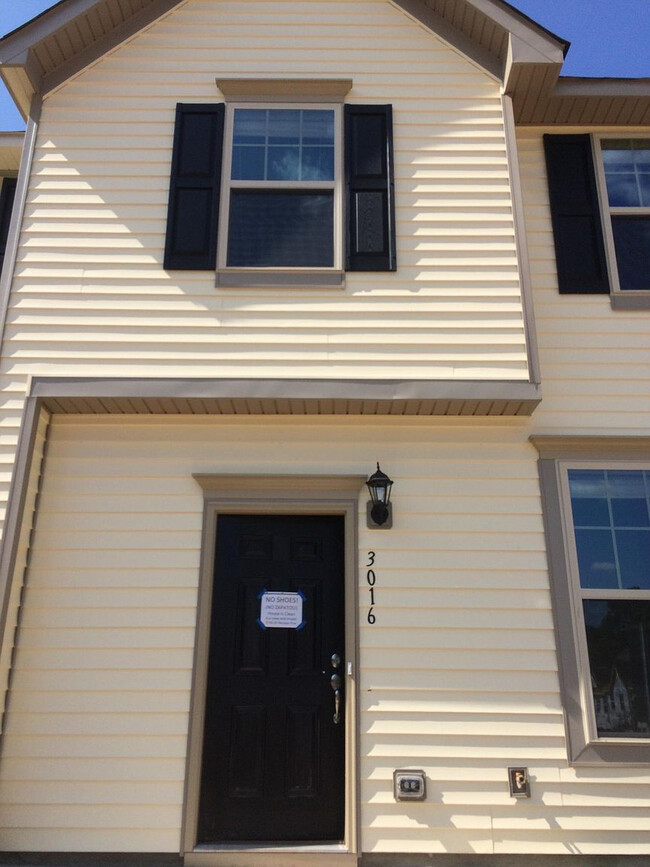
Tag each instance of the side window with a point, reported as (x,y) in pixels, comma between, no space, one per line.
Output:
(599,192)
(597,518)
(281,193)
(626,173)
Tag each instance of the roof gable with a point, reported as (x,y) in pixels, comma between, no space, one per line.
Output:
(46,51)
(41,55)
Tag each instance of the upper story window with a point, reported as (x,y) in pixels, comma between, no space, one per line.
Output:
(599,192)
(626,168)
(281,194)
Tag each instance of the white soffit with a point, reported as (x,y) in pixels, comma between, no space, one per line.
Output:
(587,101)
(285,397)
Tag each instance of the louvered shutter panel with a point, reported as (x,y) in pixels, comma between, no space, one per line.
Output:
(7,194)
(575,213)
(193,211)
(370,215)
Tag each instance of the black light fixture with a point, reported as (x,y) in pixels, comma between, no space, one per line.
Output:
(379,508)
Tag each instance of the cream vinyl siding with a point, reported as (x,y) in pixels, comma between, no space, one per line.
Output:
(22,552)
(595,361)
(90,293)
(90,296)
(458,674)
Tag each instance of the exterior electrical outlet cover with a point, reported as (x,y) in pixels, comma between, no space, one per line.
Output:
(409,785)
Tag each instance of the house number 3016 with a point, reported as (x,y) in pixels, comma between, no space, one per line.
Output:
(371,579)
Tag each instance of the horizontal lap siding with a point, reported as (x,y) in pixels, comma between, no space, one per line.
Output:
(595,361)
(90,297)
(457,676)
(595,366)
(90,293)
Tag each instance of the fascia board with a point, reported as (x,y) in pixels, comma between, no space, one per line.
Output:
(538,38)
(603,87)
(10,139)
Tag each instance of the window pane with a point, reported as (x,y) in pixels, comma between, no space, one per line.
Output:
(284,126)
(623,190)
(281,229)
(250,126)
(317,164)
(628,498)
(632,244)
(644,188)
(589,498)
(618,641)
(318,128)
(248,162)
(596,560)
(633,548)
(284,164)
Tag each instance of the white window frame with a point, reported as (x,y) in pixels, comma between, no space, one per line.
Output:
(282,274)
(558,455)
(628,299)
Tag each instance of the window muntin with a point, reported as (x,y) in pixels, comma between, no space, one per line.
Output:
(625,177)
(610,522)
(282,196)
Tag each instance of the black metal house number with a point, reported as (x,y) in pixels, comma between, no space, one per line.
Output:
(371,578)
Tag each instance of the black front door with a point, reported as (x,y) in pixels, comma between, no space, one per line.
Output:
(273,757)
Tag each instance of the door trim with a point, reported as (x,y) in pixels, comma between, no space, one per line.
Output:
(273,495)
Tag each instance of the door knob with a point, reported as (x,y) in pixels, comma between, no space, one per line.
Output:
(335,683)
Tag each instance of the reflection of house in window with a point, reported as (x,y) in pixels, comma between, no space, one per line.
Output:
(612,703)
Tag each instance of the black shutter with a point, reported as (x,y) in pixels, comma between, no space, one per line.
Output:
(7,194)
(370,216)
(575,213)
(193,212)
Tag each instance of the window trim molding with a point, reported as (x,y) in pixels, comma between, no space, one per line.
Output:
(277,276)
(556,454)
(620,300)
(277,90)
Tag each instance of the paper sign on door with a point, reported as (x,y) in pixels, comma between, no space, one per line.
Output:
(281,610)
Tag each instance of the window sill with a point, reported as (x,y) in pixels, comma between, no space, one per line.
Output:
(601,754)
(637,300)
(233,278)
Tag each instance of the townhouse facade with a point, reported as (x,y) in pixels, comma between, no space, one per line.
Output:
(256,251)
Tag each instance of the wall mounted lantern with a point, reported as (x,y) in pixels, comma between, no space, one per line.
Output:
(379,511)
